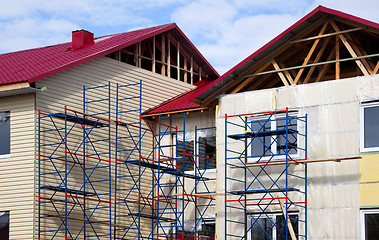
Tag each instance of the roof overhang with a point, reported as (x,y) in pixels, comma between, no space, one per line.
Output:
(17,89)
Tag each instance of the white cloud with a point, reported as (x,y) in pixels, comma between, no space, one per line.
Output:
(34,32)
(228,31)
(367,9)
(225,31)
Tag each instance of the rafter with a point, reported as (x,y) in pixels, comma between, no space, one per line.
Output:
(318,57)
(337,48)
(325,67)
(258,82)
(350,49)
(308,57)
(248,80)
(287,73)
(376,68)
(360,51)
(281,75)
(327,35)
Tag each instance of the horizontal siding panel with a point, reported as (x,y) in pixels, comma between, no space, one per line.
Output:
(65,88)
(17,172)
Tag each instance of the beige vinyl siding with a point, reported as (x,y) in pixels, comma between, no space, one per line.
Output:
(17,172)
(66,88)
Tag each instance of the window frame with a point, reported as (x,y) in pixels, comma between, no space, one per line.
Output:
(363,106)
(9,218)
(362,213)
(196,147)
(213,221)
(7,155)
(270,215)
(273,126)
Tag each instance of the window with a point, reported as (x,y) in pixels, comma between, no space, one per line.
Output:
(271,227)
(4,225)
(370,127)
(208,229)
(4,134)
(370,223)
(203,150)
(271,140)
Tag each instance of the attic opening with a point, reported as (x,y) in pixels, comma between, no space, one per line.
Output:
(326,48)
(162,54)
(314,55)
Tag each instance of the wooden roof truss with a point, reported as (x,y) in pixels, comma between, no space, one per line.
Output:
(332,48)
(162,54)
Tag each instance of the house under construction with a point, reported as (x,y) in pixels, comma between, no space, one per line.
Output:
(136,136)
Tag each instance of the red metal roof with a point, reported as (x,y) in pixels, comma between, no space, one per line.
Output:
(183,101)
(35,64)
(180,102)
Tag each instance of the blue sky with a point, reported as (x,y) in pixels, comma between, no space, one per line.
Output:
(225,31)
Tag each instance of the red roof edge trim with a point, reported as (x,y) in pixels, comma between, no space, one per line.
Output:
(303,19)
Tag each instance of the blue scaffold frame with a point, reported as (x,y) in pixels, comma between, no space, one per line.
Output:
(268,179)
(64,155)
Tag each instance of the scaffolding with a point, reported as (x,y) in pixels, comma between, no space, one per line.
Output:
(74,170)
(265,176)
(152,169)
(159,183)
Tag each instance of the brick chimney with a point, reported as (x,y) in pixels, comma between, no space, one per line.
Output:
(81,39)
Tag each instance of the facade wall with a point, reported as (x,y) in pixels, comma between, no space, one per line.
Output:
(205,123)
(66,88)
(17,172)
(336,190)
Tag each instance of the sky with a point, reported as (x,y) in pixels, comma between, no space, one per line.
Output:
(225,31)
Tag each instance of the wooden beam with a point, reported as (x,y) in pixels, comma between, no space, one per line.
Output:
(153,67)
(375,71)
(281,75)
(169,56)
(285,47)
(178,59)
(185,70)
(319,54)
(163,55)
(258,82)
(338,73)
(327,35)
(313,64)
(139,54)
(248,80)
(272,163)
(350,49)
(191,70)
(325,67)
(289,224)
(287,73)
(311,52)
(360,52)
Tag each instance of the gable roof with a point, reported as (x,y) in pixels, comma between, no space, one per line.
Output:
(190,99)
(275,43)
(34,64)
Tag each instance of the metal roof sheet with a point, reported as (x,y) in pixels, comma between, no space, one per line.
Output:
(34,64)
